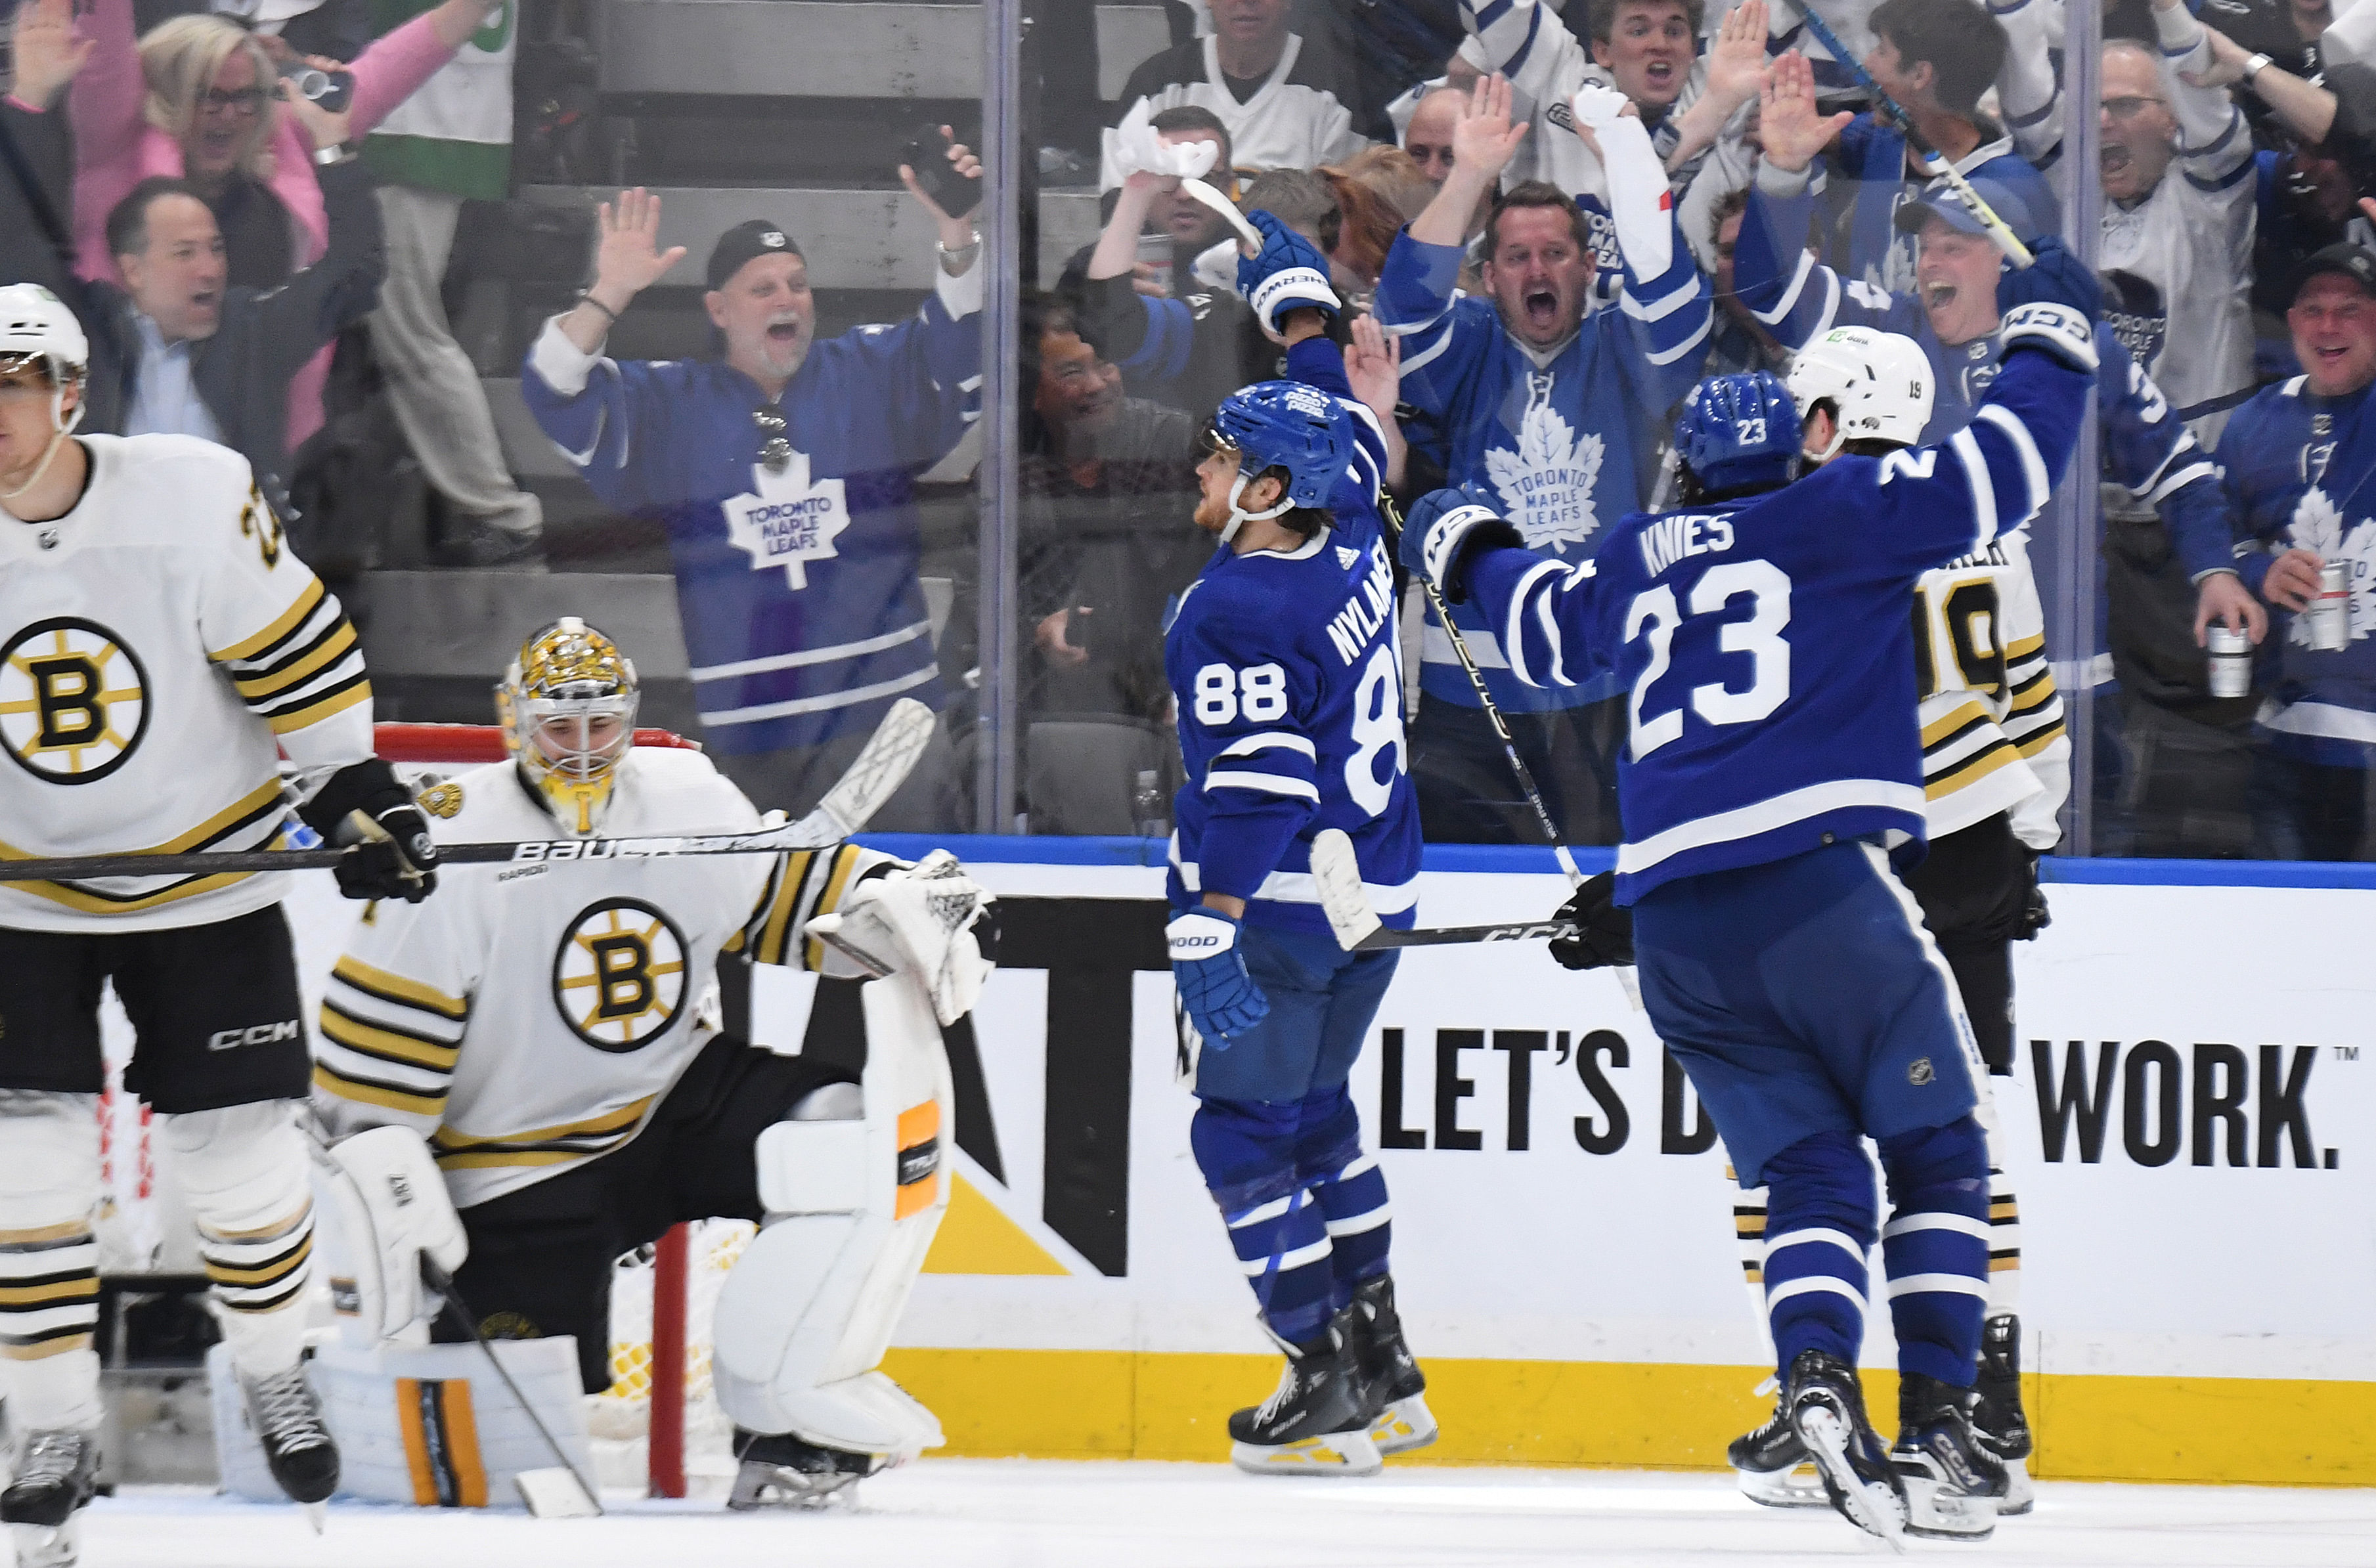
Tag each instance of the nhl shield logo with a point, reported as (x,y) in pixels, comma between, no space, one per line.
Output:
(1919,1073)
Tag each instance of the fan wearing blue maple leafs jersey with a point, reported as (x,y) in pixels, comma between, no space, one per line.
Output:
(784,473)
(1554,413)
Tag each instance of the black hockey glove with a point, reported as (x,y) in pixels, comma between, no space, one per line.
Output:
(2034,916)
(365,805)
(1607,932)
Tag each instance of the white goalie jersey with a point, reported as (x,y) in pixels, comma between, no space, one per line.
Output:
(531,1016)
(1992,733)
(159,648)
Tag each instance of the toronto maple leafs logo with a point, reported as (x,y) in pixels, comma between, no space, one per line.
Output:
(2317,527)
(1547,483)
(789,522)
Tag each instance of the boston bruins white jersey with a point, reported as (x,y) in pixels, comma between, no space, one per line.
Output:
(155,644)
(531,1016)
(1992,735)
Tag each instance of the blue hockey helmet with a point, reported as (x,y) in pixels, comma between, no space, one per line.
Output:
(1740,432)
(1289,425)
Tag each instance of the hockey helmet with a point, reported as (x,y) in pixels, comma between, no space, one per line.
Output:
(1739,433)
(567,706)
(1879,385)
(36,327)
(1283,424)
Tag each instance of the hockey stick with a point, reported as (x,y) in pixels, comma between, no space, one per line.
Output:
(1336,874)
(1998,230)
(1211,196)
(890,754)
(443,1283)
(1394,521)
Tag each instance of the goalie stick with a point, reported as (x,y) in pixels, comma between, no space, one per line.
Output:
(1998,230)
(890,754)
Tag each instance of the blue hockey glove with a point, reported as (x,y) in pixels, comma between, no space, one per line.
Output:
(1221,998)
(1444,527)
(2052,306)
(1289,274)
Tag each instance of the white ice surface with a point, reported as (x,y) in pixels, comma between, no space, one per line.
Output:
(1042,1513)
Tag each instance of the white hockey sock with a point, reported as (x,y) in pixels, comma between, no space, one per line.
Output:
(244,1172)
(49,1260)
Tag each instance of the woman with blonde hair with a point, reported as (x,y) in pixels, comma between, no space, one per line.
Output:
(198,99)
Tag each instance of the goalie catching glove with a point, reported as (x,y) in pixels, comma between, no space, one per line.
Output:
(391,1210)
(930,921)
(1289,274)
(365,809)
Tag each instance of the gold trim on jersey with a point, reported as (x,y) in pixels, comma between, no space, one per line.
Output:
(388,1096)
(805,883)
(367,1037)
(845,865)
(278,630)
(541,1146)
(396,988)
(337,702)
(280,678)
(263,800)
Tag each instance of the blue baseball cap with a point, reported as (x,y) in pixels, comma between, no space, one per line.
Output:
(1943,200)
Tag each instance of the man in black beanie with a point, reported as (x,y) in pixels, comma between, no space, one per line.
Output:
(785,478)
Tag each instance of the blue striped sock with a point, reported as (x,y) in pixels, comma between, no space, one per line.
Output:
(1820,1221)
(1935,1248)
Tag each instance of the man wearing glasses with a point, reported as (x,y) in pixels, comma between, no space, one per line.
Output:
(2177,212)
(784,472)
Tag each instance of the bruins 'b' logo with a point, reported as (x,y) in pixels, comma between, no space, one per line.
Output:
(74,701)
(619,978)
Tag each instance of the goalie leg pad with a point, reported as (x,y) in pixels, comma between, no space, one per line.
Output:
(244,1171)
(49,1260)
(852,1205)
(388,1208)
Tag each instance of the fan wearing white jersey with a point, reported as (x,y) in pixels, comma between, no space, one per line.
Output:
(545,1027)
(160,650)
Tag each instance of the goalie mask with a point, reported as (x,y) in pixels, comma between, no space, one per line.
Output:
(568,709)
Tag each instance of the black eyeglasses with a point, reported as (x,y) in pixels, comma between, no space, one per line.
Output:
(775,447)
(244,100)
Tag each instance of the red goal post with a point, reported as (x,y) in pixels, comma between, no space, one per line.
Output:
(662,1367)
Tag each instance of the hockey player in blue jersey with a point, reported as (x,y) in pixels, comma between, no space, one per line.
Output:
(1283,661)
(1772,778)
(1556,412)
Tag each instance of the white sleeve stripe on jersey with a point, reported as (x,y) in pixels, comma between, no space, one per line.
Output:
(1664,308)
(1246,745)
(1553,644)
(2033,466)
(1790,295)
(368,1068)
(1984,493)
(1513,631)
(1669,356)
(2180,480)
(404,1042)
(1433,352)
(1264,783)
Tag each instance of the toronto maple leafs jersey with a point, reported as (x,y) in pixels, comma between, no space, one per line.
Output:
(161,650)
(1765,648)
(797,583)
(2301,473)
(1565,442)
(531,1016)
(1287,674)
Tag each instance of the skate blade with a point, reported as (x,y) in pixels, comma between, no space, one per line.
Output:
(1799,1486)
(2020,1496)
(1403,1425)
(1872,1506)
(1337,1454)
(46,1545)
(317,1514)
(1940,1512)
(767,1486)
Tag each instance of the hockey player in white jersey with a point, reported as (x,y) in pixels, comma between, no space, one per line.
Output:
(543,1027)
(161,650)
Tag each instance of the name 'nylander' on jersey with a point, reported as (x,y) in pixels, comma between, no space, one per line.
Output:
(1287,676)
(1765,644)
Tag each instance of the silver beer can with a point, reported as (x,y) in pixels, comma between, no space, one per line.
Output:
(2231,661)
(2330,612)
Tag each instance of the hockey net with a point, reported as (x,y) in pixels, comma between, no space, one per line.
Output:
(659,1424)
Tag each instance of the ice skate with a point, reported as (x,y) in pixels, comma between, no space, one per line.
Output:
(1403,1420)
(1952,1482)
(297,1446)
(1316,1421)
(1826,1406)
(780,1470)
(1774,1467)
(45,1501)
(1998,1419)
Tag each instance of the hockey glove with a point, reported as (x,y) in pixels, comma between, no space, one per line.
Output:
(1289,274)
(2034,916)
(1605,933)
(366,810)
(1443,528)
(2052,305)
(1219,997)
(1141,150)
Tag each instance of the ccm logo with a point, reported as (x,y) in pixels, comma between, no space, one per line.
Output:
(256,1034)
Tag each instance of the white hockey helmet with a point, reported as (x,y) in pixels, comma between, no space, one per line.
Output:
(1878,384)
(36,324)
(567,707)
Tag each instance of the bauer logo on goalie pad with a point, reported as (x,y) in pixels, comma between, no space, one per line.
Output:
(618,978)
(74,700)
